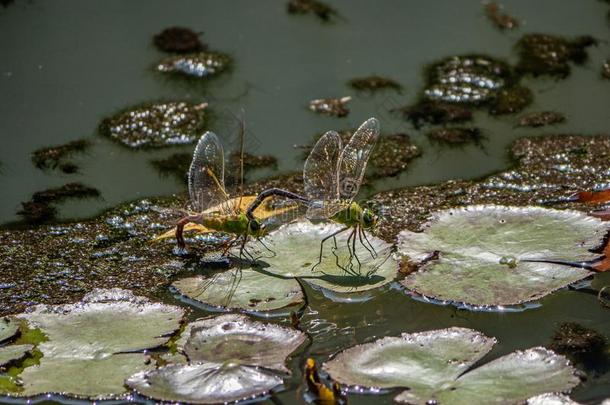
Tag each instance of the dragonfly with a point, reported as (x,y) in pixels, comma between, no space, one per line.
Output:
(211,208)
(332,176)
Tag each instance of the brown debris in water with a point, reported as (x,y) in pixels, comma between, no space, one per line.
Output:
(323,11)
(374,83)
(586,347)
(41,207)
(547,169)
(178,40)
(542,54)
(456,135)
(540,119)
(511,100)
(54,157)
(433,112)
(501,20)
(334,107)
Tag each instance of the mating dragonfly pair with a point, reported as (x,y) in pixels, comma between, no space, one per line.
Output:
(332,176)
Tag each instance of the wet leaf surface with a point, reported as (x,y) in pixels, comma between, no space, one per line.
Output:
(238,339)
(434,365)
(204,383)
(13,353)
(483,254)
(243,289)
(299,244)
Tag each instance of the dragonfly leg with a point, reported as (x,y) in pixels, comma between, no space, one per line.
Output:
(260,240)
(333,235)
(369,248)
(180,228)
(229,246)
(243,252)
(357,229)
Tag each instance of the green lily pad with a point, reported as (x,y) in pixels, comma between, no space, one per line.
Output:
(13,352)
(85,354)
(8,328)
(243,289)
(83,378)
(297,247)
(204,383)
(433,367)
(238,339)
(479,255)
(103,323)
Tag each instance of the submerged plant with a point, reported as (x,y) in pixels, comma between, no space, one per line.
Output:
(495,256)
(542,54)
(178,40)
(55,156)
(374,83)
(320,9)
(433,112)
(540,119)
(437,367)
(456,135)
(156,125)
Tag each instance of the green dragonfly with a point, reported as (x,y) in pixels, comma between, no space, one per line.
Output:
(332,176)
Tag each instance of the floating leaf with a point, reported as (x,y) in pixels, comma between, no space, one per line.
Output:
(85,354)
(8,328)
(204,383)
(433,367)
(103,323)
(244,289)
(551,399)
(83,378)
(238,339)
(495,255)
(13,352)
(297,247)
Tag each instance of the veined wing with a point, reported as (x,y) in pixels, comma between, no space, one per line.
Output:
(207,173)
(320,175)
(353,159)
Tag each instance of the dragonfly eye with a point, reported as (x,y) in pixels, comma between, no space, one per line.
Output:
(255,225)
(369,219)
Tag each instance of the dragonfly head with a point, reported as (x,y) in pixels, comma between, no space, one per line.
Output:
(256,228)
(369,218)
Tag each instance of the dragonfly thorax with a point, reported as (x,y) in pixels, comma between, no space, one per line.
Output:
(355,215)
(237,224)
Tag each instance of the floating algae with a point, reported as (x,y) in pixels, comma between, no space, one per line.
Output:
(55,156)
(542,54)
(156,125)
(456,135)
(374,83)
(202,64)
(40,207)
(178,40)
(540,119)
(334,107)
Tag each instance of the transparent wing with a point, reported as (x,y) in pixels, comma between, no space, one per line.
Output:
(320,174)
(206,174)
(353,159)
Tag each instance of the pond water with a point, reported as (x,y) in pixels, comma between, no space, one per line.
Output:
(66,65)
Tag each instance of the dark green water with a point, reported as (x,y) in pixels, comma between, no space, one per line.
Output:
(65,65)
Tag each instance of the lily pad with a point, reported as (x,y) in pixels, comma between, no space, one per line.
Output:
(495,255)
(551,399)
(13,352)
(298,245)
(87,351)
(103,323)
(238,339)
(204,383)
(83,378)
(432,366)
(8,328)
(244,289)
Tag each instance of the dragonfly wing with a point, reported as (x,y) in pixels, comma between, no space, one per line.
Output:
(353,159)
(206,174)
(320,175)
(325,209)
